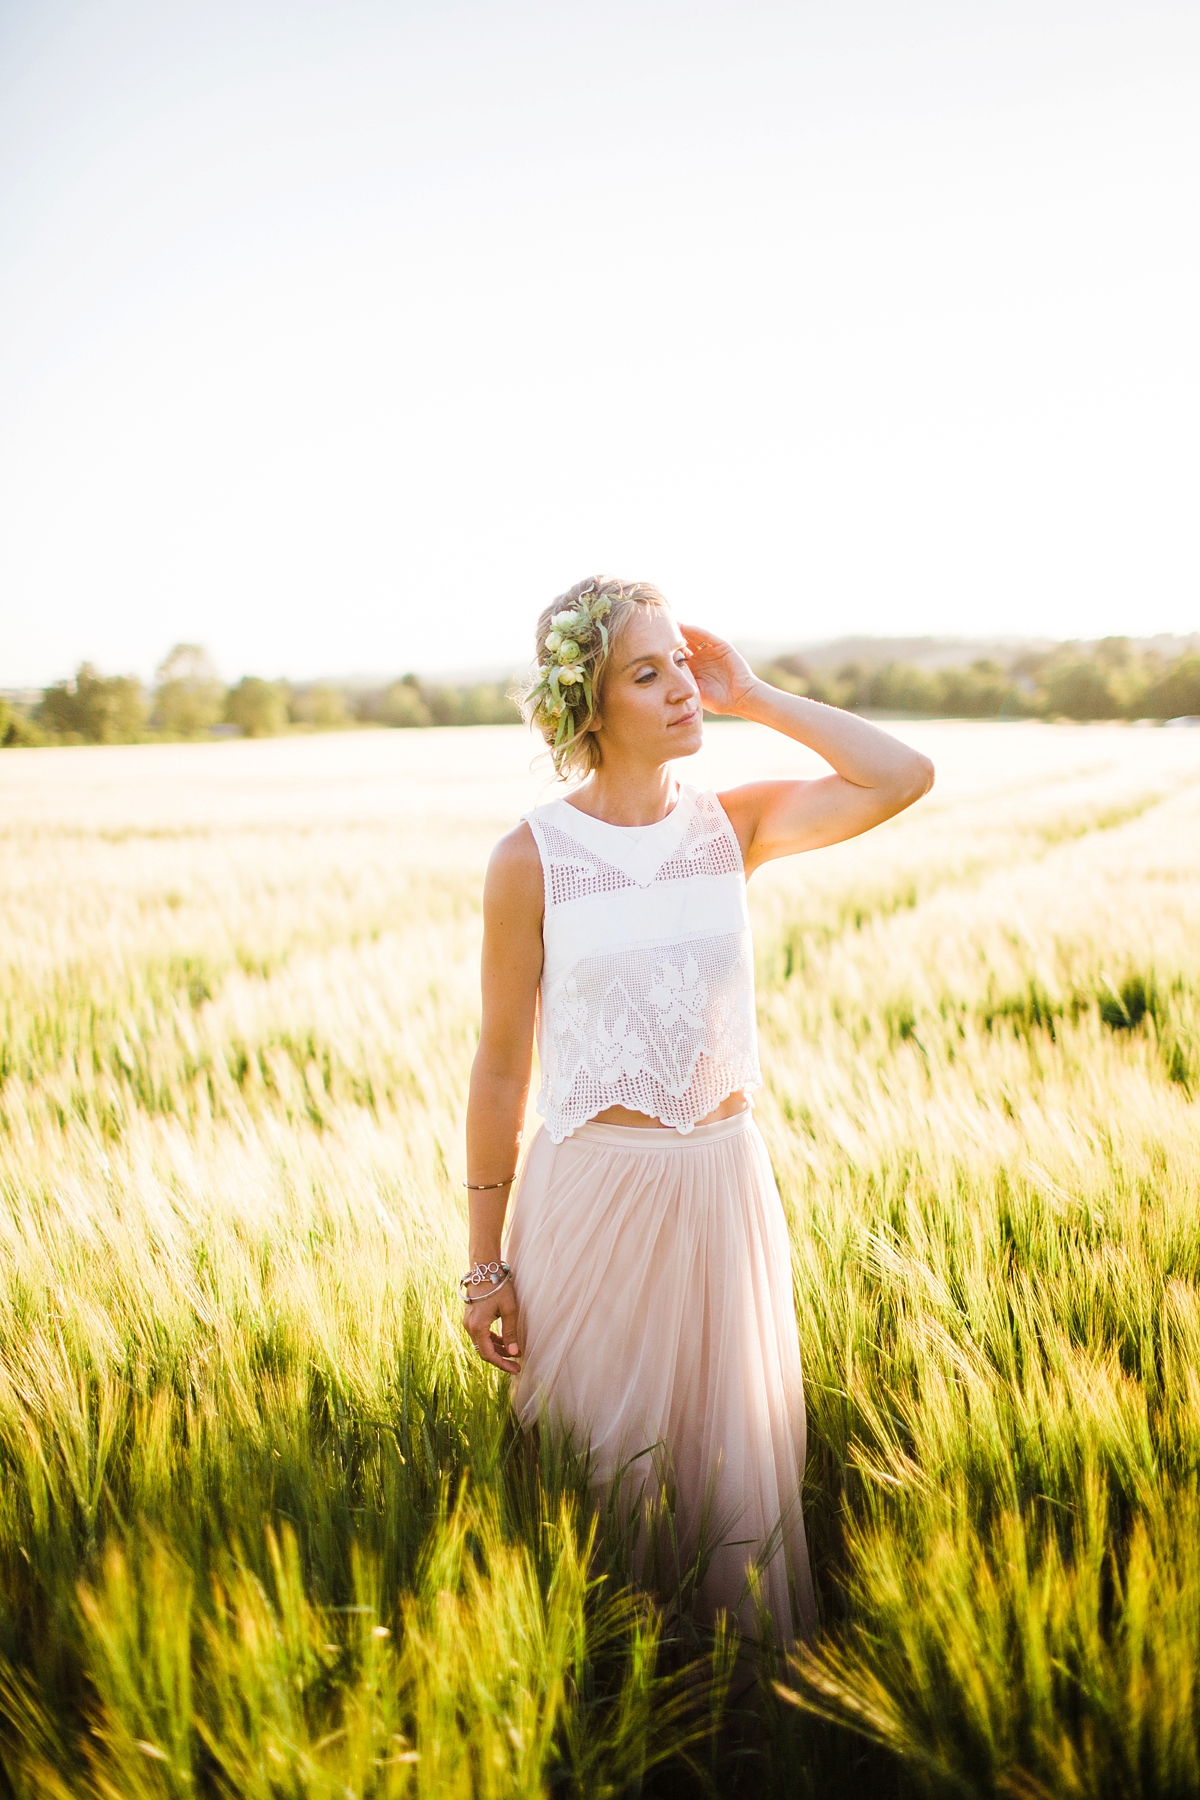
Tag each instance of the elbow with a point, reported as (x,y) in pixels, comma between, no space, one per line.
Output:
(916,780)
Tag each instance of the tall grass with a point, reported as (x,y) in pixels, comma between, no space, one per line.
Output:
(267,1530)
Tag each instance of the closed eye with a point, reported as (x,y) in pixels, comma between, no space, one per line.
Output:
(644,677)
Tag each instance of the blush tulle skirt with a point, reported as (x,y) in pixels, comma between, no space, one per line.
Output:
(653,1278)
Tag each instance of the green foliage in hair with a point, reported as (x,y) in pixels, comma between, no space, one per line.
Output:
(563,690)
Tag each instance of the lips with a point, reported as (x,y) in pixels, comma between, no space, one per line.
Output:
(686,719)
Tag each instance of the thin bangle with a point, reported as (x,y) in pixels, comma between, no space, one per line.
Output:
(474,1299)
(481,1187)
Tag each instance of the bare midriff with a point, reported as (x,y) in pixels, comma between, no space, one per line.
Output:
(624,1115)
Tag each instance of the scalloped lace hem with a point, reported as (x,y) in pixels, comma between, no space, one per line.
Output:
(560,1124)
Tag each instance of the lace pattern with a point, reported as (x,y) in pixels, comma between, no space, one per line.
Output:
(576,872)
(662,1021)
(658,1030)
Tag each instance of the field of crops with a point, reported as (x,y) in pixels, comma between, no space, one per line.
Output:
(265,1527)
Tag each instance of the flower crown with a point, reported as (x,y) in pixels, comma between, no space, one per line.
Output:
(564,678)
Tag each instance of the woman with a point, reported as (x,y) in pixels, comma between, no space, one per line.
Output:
(646,1304)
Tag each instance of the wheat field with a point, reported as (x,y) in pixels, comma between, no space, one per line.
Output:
(266,1529)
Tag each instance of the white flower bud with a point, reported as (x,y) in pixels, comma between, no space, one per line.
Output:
(567,649)
(562,618)
(553,640)
(570,675)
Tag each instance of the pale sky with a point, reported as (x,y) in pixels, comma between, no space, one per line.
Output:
(340,335)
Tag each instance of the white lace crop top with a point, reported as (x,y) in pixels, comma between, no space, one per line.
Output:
(647,991)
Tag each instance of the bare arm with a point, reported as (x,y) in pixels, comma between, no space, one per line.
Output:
(512,967)
(876,775)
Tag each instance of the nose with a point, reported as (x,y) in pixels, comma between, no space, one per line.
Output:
(685,685)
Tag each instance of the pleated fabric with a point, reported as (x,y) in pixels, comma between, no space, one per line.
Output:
(653,1279)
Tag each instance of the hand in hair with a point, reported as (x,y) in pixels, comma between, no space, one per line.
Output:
(722,674)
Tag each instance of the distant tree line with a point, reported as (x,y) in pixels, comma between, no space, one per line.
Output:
(1107,680)
(189,700)
(1111,679)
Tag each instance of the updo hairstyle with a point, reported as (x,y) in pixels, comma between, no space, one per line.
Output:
(563,702)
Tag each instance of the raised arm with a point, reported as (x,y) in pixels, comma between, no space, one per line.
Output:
(511,970)
(875,774)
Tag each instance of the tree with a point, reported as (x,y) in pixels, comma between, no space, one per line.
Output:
(978,692)
(900,687)
(111,711)
(189,694)
(58,713)
(1176,694)
(793,675)
(850,685)
(258,707)
(486,704)
(1115,652)
(94,708)
(17,728)
(444,703)
(322,706)
(403,704)
(1079,690)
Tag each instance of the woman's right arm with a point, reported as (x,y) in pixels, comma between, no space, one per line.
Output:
(511,970)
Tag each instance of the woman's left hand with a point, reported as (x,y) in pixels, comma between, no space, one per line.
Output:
(722,674)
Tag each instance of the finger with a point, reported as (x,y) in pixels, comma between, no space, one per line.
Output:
(494,1354)
(491,1349)
(509,1334)
(504,1346)
(697,638)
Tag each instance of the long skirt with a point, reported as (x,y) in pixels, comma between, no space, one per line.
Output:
(653,1280)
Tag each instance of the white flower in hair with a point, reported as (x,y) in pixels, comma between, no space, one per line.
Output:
(553,640)
(570,675)
(568,650)
(563,618)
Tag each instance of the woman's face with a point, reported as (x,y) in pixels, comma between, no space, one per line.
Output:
(650,705)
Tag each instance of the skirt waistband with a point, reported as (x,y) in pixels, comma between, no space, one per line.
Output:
(660,1137)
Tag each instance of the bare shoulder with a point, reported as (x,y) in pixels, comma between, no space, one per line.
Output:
(512,936)
(514,872)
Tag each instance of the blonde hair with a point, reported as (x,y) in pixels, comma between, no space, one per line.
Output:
(563,702)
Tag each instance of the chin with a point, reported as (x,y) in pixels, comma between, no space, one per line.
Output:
(688,739)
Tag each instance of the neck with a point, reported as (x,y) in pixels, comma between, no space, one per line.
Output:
(642,795)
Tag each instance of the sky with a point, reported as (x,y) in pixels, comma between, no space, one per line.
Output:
(341,335)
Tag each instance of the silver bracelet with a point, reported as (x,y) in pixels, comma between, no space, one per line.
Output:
(474,1299)
(498,1272)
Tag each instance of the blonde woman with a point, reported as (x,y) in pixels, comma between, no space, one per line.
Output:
(643,1296)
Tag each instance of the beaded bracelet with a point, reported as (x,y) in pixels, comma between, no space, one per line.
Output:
(482,1272)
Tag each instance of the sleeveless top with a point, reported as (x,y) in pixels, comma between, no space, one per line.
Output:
(647,989)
